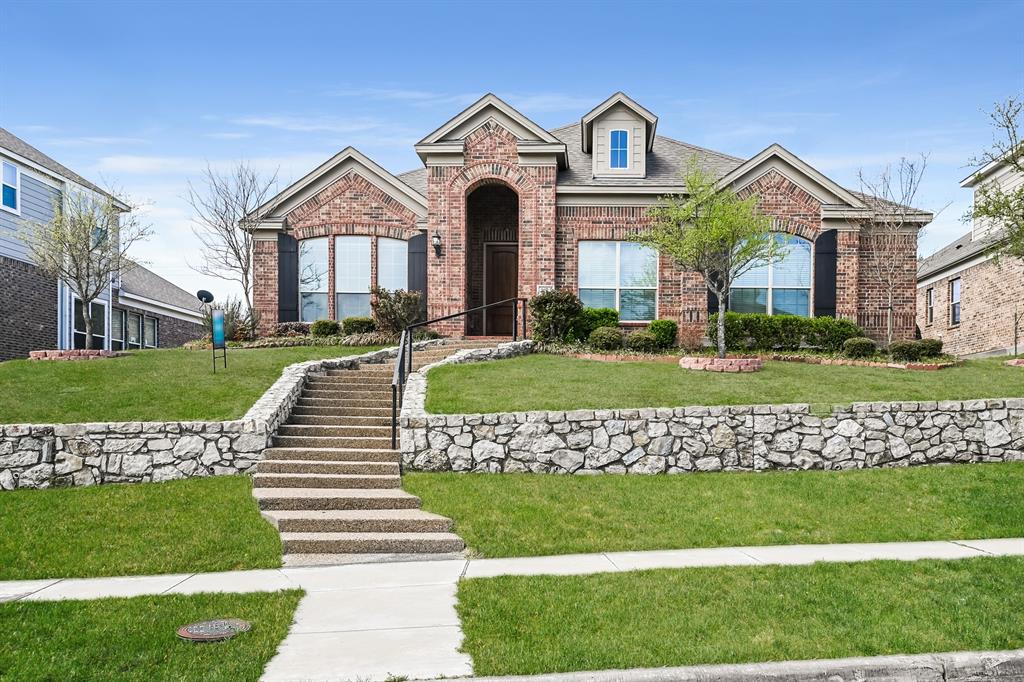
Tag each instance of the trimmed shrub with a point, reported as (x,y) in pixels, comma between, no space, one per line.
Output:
(291,329)
(859,347)
(393,311)
(788,332)
(906,351)
(736,336)
(554,312)
(606,338)
(358,325)
(665,332)
(930,348)
(324,328)
(830,333)
(642,341)
(590,319)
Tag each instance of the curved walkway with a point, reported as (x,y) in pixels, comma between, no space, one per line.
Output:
(375,621)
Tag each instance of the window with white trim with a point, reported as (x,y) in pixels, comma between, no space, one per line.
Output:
(618,149)
(352,276)
(134,332)
(149,332)
(98,312)
(11,188)
(313,279)
(782,287)
(619,275)
(117,328)
(954,301)
(392,264)
(929,306)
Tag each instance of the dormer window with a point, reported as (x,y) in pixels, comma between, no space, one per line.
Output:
(619,149)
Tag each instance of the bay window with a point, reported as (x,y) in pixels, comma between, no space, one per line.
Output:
(352,277)
(782,287)
(313,279)
(392,264)
(619,275)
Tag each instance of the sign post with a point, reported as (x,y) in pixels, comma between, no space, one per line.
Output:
(219,343)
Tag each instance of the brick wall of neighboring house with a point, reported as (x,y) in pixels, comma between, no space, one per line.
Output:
(171,331)
(264,274)
(28,316)
(989,292)
(872,300)
(491,157)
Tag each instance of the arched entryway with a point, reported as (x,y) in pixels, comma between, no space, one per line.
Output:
(492,257)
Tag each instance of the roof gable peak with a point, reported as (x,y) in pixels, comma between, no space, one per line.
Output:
(453,127)
(587,122)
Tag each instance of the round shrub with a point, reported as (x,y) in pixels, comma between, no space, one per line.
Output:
(590,319)
(291,329)
(606,338)
(665,332)
(859,347)
(930,348)
(906,351)
(643,342)
(358,325)
(324,328)
(554,313)
(830,333)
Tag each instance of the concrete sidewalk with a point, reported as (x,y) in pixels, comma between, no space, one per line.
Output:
(374,621)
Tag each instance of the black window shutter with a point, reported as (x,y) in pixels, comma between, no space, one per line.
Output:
(287,278)
(825,256)
(418,269)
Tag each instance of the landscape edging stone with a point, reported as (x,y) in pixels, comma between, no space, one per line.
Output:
(66,455)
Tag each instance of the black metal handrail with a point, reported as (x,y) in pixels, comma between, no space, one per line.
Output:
(403,359)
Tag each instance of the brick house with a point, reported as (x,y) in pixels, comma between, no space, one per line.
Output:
(971,301)
(137,310)
(503,208)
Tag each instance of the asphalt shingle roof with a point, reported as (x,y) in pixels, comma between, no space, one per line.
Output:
(9,140)
(960,250)
(146,283)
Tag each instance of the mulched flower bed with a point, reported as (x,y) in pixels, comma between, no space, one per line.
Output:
(850,362)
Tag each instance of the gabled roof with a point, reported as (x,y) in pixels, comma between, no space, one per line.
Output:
(144,283)
(494,102)
(778,151)
(348,160)
(963,249)
(618,98)
(19,147)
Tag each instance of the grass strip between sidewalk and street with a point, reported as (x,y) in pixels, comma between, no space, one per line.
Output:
(552,382)
(188,526)
(505,515)
(134,639)
(640,619)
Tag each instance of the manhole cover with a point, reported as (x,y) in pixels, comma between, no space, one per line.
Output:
(213,630)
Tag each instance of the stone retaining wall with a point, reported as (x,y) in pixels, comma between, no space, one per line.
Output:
(688,439)
(60,455)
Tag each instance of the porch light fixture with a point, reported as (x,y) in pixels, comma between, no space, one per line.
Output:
(436,242)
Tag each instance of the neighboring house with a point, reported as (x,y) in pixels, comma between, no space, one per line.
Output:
(505,208)
(142,310)
(964,296)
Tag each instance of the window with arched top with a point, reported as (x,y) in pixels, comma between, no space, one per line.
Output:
(782,287)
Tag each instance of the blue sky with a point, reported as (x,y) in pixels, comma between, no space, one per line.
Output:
(142,95)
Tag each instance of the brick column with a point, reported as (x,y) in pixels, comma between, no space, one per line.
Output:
(847,274)
(264,274)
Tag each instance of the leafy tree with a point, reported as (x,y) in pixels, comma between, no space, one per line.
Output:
(991,202)
(713,231)
(85,244)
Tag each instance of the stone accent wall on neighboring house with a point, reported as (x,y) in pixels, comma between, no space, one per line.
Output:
(28,316)
(989,294)
(690,439)
(491,157)
(62,455)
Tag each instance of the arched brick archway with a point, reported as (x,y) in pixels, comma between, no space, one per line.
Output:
(492,256)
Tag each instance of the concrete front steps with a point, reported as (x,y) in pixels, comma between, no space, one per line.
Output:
(331,482)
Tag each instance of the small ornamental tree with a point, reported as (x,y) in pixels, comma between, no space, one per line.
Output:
(85,245)
(712,231)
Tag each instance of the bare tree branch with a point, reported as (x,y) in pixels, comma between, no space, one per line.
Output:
(223,210)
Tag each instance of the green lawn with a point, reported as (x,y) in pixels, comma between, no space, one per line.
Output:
(528,625)
(194,525)
(551,382)
(532,515)
(134,639)
(152,385)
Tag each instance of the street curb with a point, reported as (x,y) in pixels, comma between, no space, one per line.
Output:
(960,666)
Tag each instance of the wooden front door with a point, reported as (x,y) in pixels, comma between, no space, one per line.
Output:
(501,281)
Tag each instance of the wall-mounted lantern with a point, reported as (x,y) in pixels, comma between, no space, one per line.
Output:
(436,242)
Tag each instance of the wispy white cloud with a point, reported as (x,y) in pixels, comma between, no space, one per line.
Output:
(408,95)
(752,130)
(227,136)
(309,124)
(533,103)
(94,141)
